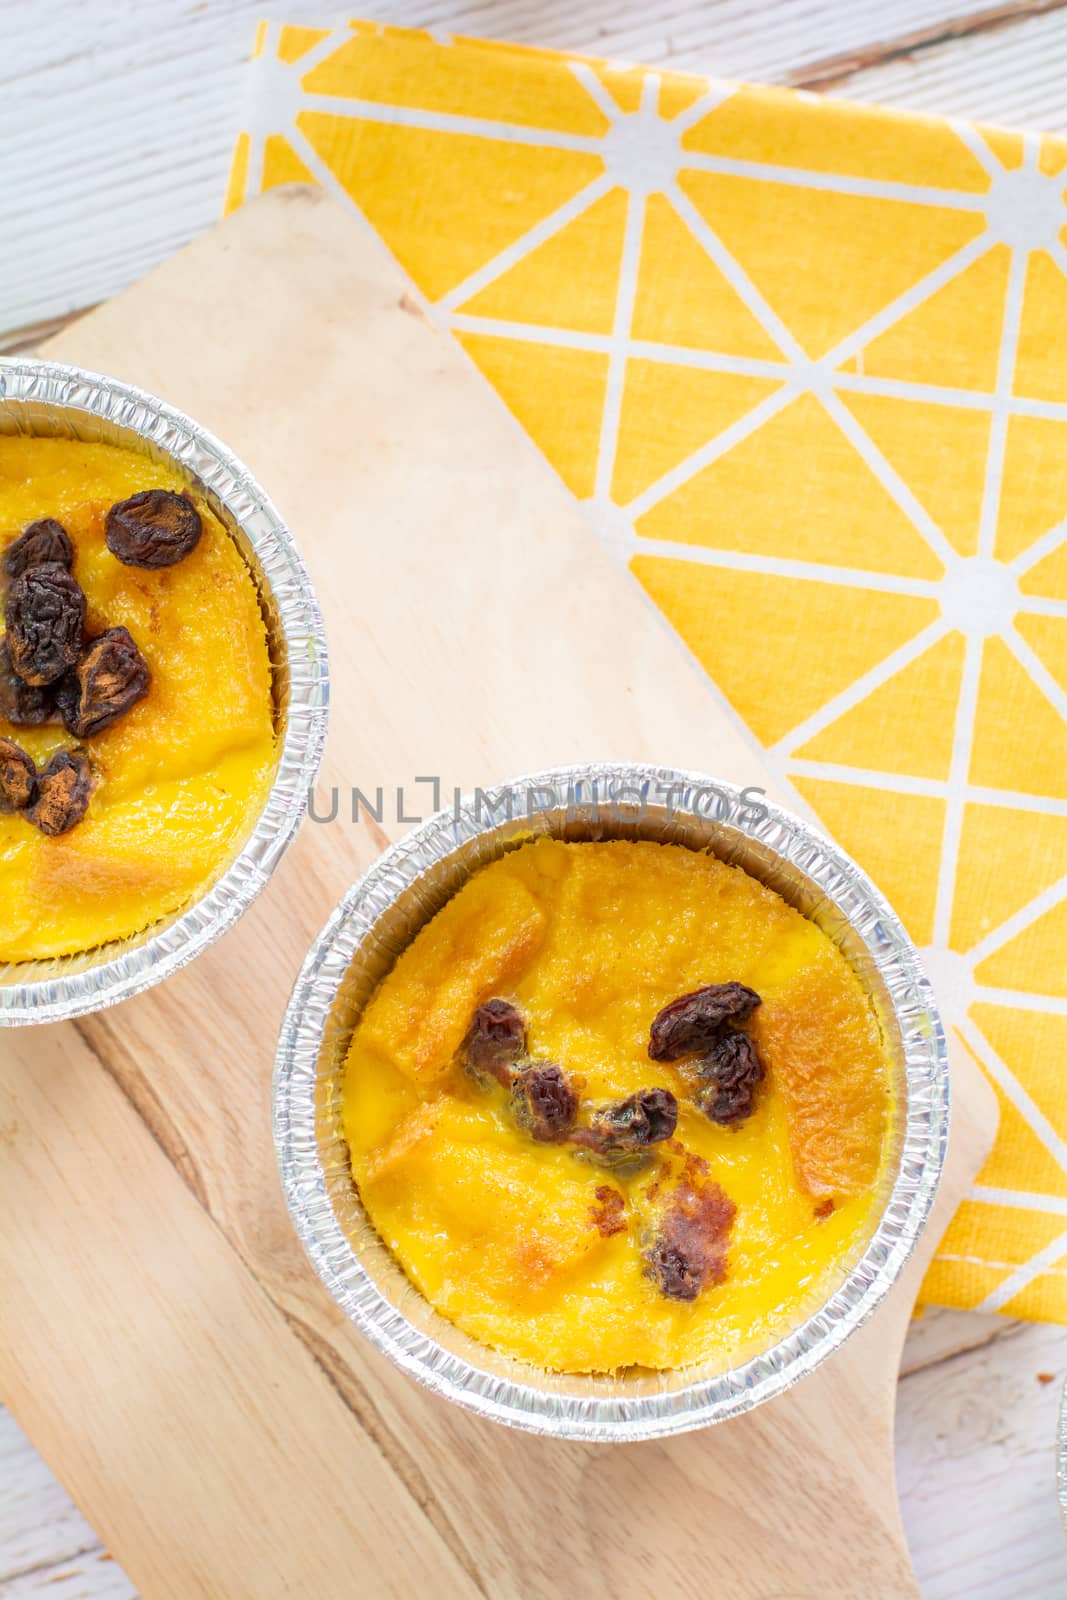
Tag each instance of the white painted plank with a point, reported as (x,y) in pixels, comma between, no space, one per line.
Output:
(976,1467)
(115,126)
(46,1545)
(1014,76)
(938,1335)
(116,123)
(729,38)
(93,1576)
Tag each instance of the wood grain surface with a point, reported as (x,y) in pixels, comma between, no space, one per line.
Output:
(138,1198)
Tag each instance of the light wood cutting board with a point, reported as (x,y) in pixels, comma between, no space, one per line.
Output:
(161,1337)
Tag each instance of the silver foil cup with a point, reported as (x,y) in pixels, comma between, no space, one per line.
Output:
(42,397)
(381,914)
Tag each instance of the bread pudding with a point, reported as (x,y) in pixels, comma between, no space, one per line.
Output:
(619,1106)
(137,727)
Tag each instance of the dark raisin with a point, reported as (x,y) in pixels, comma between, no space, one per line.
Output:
(545,1103)
(495,1041)
(688,1249)
(42,542)
(645,1118)
(694,1021)
(111,676)
(45,621)
(731,1071)
(20,702)
(18,777)
(156,528)
(63,790)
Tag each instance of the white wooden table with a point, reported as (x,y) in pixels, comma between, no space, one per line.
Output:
(116,124)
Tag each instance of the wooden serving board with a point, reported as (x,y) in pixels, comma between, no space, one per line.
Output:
(162,1338)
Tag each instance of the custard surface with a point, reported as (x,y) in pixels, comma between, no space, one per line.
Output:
(507,1237)
(181,778)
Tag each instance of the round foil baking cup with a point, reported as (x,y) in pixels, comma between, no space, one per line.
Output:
(44,398)
(1061,1460)
(381,914)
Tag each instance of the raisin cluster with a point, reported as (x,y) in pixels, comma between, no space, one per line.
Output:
(50,672)
(686,1249)
(705,1025)
(546,1101)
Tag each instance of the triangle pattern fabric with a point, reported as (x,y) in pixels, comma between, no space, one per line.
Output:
(1006,858)
(445,203)
(796,472)
(406,66)
(1019,1160)
(939,451)
(1053,157)
(952,337)
(1043,1299)
(811,652)
(678,91)
(562,411)
(894,837)
(1017,1236)
(774,128)
(1048,577)
(281,164)
(1034,1048)
(1041,363)
(1018,1233)
(1026,752)
(1008,146)
(1047,638)
(957,1277)
(624,84)
(237,182)
(295,41)
(1033,490)
(826,261)
(906,725)
(668,412)
(569,281)
(1033,962)
(703,311)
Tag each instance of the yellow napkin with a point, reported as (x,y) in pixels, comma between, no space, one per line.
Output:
(805,363)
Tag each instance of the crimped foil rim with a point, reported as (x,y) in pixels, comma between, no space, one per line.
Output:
(1061,1460)
(73,986)
(525,1404)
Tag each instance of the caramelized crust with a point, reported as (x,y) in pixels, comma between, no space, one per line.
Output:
(609,1211)
(821,1046)
(420,1017)
(689,1245)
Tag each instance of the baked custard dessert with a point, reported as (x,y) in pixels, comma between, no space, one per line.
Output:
(618,1105)
(137,740)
